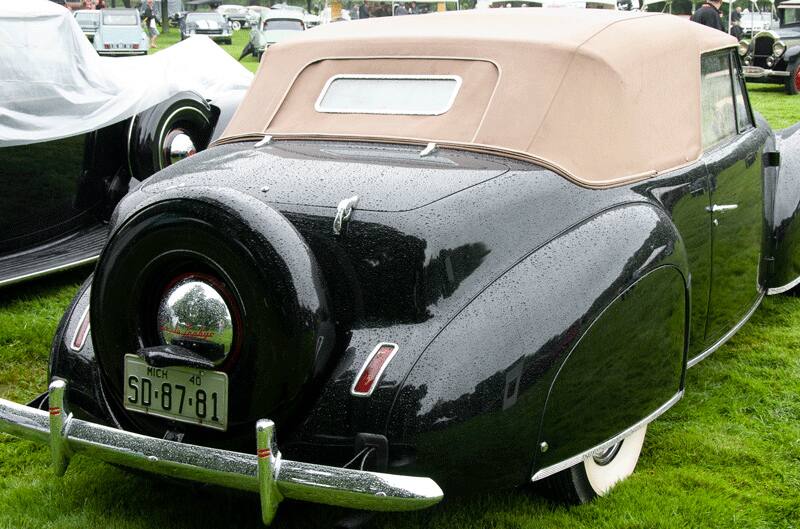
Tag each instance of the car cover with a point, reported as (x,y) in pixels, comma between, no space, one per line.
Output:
(53,84)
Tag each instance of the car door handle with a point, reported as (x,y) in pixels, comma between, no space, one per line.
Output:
(721,207)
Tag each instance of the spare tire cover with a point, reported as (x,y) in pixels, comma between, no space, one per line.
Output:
(282,327)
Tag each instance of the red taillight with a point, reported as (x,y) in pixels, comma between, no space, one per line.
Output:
(107,46)
(372,370)
(81,332)
(135,46)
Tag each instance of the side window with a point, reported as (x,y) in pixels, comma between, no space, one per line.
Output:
(744,118)
(716,95)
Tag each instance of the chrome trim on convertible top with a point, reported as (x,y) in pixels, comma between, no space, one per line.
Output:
(599,449)
(727,336)
(264,472)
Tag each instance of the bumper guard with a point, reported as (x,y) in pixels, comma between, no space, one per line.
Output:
(265,472)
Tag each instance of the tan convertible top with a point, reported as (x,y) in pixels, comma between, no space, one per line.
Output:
(603,97)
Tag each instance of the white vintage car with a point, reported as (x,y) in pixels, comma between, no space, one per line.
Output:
(120,33)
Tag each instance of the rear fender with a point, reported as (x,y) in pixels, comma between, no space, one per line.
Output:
(472,406)
(782,212)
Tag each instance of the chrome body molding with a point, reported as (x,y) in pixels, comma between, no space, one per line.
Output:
(727,336)
(601,449)
(784,288)
(53,270)
(264,472)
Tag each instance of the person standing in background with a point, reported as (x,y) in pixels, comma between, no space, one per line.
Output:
(709,14)
(736,23)
(149,18)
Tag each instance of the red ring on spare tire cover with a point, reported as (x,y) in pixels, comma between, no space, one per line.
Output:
(270,271)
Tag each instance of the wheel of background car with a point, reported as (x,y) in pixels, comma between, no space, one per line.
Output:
(152,131)
(597,475)
(793,81)
(253,256)
(236,25)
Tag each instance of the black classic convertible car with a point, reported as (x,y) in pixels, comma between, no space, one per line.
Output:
(773,56)
(430,264)
(77,130)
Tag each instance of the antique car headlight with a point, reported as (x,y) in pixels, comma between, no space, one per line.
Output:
(778,48)
(744,46)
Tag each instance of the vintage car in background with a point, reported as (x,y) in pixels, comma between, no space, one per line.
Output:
(120,33)
(175,11)
(755,21)
(388,279)
(239,16)
(573,4)
(773,56)
(275,26)
(211,24)
(77,130)
(89,21)
(310,19)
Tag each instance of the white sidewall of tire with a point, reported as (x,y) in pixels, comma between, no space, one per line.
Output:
(603,477)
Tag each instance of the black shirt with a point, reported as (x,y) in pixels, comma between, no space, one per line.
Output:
(147,14)
(708,15)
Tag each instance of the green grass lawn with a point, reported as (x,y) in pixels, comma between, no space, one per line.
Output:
(726,456)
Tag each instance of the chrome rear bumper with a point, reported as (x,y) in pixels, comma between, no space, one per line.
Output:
(264,472)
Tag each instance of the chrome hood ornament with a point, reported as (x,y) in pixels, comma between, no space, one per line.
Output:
(195,315)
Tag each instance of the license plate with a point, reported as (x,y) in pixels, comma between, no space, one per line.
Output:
(195,396)
(121,46)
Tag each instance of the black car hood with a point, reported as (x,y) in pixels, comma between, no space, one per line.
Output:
(385,177)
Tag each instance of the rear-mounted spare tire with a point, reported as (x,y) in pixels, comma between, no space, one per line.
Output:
(258,263)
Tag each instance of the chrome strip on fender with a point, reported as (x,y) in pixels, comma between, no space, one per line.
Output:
(574,460)
(727,336)
(784,288)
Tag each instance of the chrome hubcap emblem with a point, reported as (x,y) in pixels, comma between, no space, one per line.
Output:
(194,314)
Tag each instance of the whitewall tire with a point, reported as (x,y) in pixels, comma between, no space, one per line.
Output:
(597,475)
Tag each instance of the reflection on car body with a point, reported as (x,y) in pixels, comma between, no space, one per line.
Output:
(398,281)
